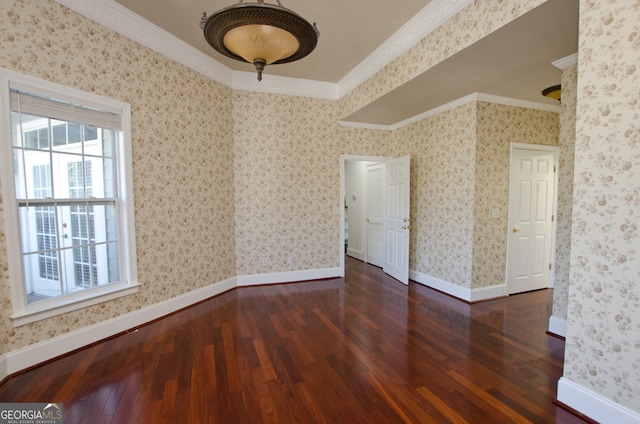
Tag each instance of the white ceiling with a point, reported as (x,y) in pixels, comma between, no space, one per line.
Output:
(514,62)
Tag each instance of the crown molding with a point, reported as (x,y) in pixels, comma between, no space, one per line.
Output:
(426,21)
(490,98)
(123,21)
(475,97)
(565,62)
(247,81)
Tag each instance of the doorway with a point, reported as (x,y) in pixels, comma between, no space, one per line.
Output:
(532,210)
(374,213)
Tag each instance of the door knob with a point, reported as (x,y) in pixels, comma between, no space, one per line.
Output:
(405,227)
(516,229)
(367,219)
(405,219)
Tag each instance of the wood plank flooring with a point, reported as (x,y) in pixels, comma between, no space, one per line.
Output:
(363,349)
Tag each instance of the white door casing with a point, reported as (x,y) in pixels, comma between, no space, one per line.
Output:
(531,208)
(397,193)
(374,181)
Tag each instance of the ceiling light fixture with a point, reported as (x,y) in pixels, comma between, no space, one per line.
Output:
(552,92)
(259,33)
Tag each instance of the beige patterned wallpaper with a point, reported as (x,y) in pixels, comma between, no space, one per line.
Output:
(498,126)
(565,190)
(603,334)
(182,156)
(442,150)
(247,188)
(287,174)
(214,197)
(471,24)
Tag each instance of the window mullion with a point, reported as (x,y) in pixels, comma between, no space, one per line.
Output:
(46,135)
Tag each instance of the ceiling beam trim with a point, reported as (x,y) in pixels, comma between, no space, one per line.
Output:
(436,13)
(475,97)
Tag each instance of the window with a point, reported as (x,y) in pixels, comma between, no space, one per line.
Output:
(67,197)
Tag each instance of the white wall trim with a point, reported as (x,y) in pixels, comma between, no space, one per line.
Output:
(357,254)
(287,277)
(487,293)
(43,351)
(432,16)
(475,97)
(593,405)
(463,293)
(274,84)
(558,326)
(567,61)
(441,285)
(46,350)
(123,21)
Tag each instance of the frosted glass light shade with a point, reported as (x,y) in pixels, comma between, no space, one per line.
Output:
(265,42)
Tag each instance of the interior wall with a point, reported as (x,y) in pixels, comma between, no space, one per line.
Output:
(287,180)
(182,157)
(442,149)
(602,351)
(565,191)
(471,24)
(497,126)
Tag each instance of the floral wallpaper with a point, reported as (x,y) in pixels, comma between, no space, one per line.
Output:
(471,24)
(235,183)
(287,182)
(262,178)
(498,126)
(603,325)
(565,190)
(182,156)
(442,150)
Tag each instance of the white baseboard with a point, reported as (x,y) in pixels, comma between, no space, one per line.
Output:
(38,353)
(357,254)
(287,277)
(558,326)
(593,405)
(463,293)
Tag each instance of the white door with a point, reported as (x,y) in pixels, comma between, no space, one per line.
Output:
(396,262)
(531,205)
(375,214)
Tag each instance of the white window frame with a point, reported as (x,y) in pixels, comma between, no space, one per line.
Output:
(24,313)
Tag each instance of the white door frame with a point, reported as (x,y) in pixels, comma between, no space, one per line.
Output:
(343,159)
(555,150)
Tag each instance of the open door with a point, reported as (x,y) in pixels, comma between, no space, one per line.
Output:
(374,186)
(396,262)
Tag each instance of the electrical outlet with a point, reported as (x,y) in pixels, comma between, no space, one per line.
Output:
(265,261)
(290,260)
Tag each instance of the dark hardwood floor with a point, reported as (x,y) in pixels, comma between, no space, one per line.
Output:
(364,349)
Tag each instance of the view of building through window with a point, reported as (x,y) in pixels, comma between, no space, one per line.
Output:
(66,193)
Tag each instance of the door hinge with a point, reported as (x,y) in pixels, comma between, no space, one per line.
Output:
(553,217)
(554,168)
(549,267)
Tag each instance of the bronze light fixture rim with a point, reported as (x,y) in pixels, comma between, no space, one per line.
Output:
(219,23)
(550,90)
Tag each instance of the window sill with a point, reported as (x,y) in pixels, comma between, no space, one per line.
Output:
(54,307)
